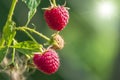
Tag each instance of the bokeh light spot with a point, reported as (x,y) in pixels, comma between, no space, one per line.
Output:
(106,9)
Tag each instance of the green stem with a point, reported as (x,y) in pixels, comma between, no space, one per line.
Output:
(30,36)
(13,55)
(2,41)
(54,2)
(12,10)
(27,23)
(32,30)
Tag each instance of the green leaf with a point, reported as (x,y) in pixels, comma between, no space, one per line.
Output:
(32,5)
(28,47)
(3,51)
(9,32)
(31,13)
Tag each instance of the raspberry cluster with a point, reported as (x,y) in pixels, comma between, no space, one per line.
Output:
(42,56)
(57,18)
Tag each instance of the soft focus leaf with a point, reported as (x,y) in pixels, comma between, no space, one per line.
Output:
(28,47)
(31,14)
(32,5)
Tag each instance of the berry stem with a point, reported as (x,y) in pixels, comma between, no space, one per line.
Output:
(54,3)
(34,31)
(27,23)
(30,36)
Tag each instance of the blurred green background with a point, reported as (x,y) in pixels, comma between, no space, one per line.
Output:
(91,49)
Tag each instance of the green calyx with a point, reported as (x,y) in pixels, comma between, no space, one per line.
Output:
(53,3)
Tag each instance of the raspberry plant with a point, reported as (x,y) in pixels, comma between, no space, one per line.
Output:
(31,54)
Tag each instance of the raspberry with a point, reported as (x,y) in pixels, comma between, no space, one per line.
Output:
(48,62)
(56,17)
(58,42)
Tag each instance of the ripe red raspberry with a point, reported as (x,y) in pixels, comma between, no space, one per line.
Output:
(48,62)
(56,17)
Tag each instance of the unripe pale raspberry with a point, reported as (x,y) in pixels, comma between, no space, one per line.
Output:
(58,42)
(56,17)
(48,62)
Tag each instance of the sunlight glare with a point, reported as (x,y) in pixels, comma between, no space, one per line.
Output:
(106,9)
